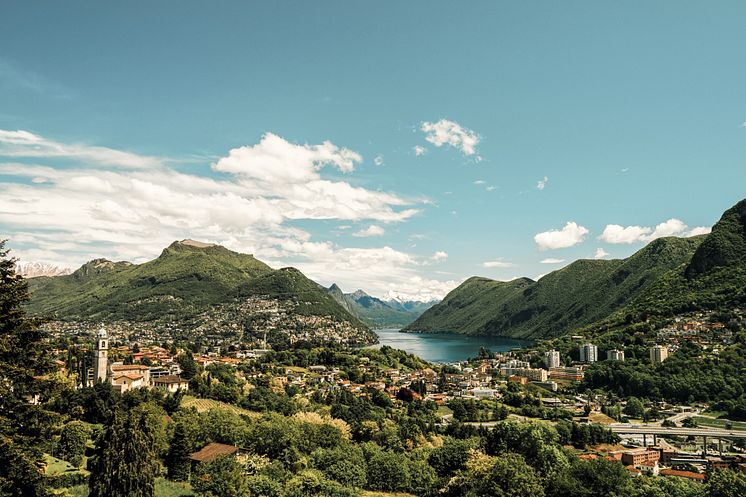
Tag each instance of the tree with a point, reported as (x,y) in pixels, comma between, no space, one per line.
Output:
(726,483)
(24,427)
(221,477)
(634,408)
(125,463)
(506,476)
(178,460)
(72,442)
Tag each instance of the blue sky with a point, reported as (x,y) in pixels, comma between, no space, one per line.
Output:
(289,130)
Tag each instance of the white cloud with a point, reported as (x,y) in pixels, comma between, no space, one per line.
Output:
(418,150)
(69,214)
(490,188)
(372,230)
(452,134)
(439,256)
(498,263)
(616,234)
(378,161)
(22,143)
(699,230)
(571,234)
(479,182)
(542,183)
(552,260)
(600,253)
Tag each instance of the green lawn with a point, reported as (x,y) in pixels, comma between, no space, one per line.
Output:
(719,423)
(163,488)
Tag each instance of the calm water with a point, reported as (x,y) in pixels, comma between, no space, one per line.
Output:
(439,347)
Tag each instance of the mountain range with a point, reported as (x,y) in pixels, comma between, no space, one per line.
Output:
(187,278)
(379,313)
(669,275)
(36,269)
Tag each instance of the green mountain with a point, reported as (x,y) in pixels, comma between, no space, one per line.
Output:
(667,276)
(187,278)
(375,312)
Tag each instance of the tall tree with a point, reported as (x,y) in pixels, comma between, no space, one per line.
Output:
(72,442)
(24,426)
(125,462)
(178,460)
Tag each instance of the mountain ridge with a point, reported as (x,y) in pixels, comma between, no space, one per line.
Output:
(667,275)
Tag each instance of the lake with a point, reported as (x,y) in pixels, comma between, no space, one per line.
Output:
(444,347)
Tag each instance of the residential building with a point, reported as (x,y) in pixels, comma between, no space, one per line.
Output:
(533,374)
(171,383)
(658,354)
(588,353)
(567,373)
(636,457)
(615,355)
(552,359)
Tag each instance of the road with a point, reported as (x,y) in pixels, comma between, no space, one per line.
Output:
(627,429)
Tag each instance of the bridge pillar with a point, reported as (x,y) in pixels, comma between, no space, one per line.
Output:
(720,446)
(644,440)
(704,446)
(655,439)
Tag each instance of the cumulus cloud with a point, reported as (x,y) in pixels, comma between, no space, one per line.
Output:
(552,260)
(372,230)
(445,132)
(498,263)
(617,234)
(571,234)
(418,150)
(542,183)
(600,253)
(490,188)
(108,203)
(378,161)
(439,256)
(479,182)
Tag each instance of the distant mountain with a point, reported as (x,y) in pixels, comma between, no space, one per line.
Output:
(668,275)
(376,312)
(185,280)
(36,269)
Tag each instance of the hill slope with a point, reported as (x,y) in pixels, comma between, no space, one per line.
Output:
(187,278)
(376,312)
(581,293)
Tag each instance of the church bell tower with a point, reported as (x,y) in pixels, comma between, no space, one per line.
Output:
(101,359)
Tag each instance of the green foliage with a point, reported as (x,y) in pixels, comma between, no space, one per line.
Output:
(506,476)
(221,477)
(726,483)
(72,442)
(125,462)
(178,459)
(24,428)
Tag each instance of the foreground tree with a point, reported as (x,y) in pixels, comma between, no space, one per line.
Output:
(71,445)
(178,460)
(24,426)
(125,462)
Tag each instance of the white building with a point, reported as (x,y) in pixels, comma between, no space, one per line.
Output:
(615,355)
(552,359)
(588,353)
(658,354)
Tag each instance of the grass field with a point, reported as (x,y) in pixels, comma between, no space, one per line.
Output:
(163,488)
(719,423)
(597,417)
(203,405)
